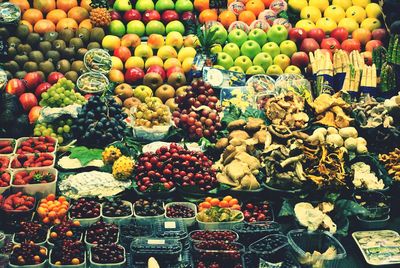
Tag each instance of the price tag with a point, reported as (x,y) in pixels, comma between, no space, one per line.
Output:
(169,225)
(218,3)
(156,242)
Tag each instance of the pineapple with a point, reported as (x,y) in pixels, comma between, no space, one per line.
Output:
(99,15)
(123,168)
(111,154)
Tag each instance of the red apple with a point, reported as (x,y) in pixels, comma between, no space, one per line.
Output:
(15,87)
(300,59)
(28,100)
(132,14)
(115,15)
(150,15)
(297,35)
(53,77)
(317,33)
(32,80)
(380,34)
(133,75)
(350,45)
(123,53)
(309,45)
(340,34)
(188,16)
(157,69)
(372,44)
(367,55)
(43,87)
(169,15)
(34,114)
(174,69)
(330,44)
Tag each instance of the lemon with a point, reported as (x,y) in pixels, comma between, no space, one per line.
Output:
(361,3)
(307,25)
(345,4)
(297,5)
(311,13)
(373,10)
(349,23)
(321,4)
(371,24)
(335,12)
(326,24)
(357,13)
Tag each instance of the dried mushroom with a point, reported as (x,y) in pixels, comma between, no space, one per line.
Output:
(392,163)
(371,113)
(331,111)
(236,124)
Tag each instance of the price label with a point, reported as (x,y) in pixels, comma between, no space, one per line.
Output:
(169,225)
(156,242)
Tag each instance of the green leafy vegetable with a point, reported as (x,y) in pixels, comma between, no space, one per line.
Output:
(85,155)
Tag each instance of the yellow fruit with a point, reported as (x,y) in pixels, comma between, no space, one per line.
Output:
(122,168)
(187,64)
(153,60)
(335,13)
(357,13)
(307,25)
(311,13)
(361,3)
(134,62)
(321,4)
(116,63)
(186,52)
(297,5)
(348,23)
(110,154)
(326,24)
(373,10)
(345,4)
(171,62)
(371,24)
(111,42)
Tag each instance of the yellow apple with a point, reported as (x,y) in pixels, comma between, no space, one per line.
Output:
(373,10)
(134,62)
(297,5)
(326,24)
(310,13)
(155,41)
(335,13)
(174,39)
(186,52)
(153,60)
(144,51)
(350,24)
(357,13)
(191,41)
(345,4)
(370,24)
(187,64)
(361,3)
(116,63)
(282,61)
(166,52)
(171,62)
(307,25)
(111,42)
(321,4)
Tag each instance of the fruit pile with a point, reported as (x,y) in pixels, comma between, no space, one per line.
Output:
(31,231)
(67,230)
(4,162)
(84,208)
(217,250)
(226,202)
(32,160)
(33,177)
(259,211)
(27,253)
(180,211)
(107,254)
(152,113)
(102,233)
(5,178)
(172,166)
(42,144)
(148,208)
(52,210)
(59,129)
(18,202)
(116,208)
(61,94)
(227,236)
(7,146)
(68,252)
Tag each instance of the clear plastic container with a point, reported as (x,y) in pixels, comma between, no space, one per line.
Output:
(38,155)
(119,220)
(302,241)
(85,222)
(106,265)
(168,250)
(92,83)
(223,236)
(375,202)
(40,190)
(13,145)
(132,230)
(228,225)
(188,221)
(82,265)
(97,60)
(41,265)
(22,139)
(51,245)
(270,248)
(44,233)
(373,224)
(228,253)
(172,229)
(251,232)
(90,245)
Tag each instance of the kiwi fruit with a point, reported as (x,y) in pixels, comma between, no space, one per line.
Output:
(66,34)
(68,53)
(11,66)
(31,66)
(20,74)
(33,39)
(76,43)
(4,32)
(59,45)
(36,56)
(13,41)
(50,36)
(81,53)
(21,59)
(22,31)
(83,34)
(78,66)
(45,46)
(72,75)
(63,66)
(46,67)
(53,55)
(97,34)
(12,52)
(92,45)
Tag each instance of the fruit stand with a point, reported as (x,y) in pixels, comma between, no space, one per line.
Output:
(199,133)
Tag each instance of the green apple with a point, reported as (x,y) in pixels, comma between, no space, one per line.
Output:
(142,92)
(291,69)
(272,49)
(282,61)
(263,59)
(117,28)
(232,49)
(258,35)
(183,5)
(224,60)
(237,36)
(219,67)
(143,5)
(215,48)
(236,69)
(243,62)
(277,34)
(175,26)
(135,27)
(255,70)
(220,34)
(274,69)
(288,47)
(155,27)
(163,5)
(250,49)
(122,5)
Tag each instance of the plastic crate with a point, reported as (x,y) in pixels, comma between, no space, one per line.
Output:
(40,190)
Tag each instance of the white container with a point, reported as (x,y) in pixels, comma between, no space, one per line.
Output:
(41,265)
(219,225)
(101,265)
(22,139)
(188,221)
(82,265)
(119,220)
(14,149)
(9,160)
(40,189)
(86,222)
(3,189)
(51,245)
(39,244)
(24,168)
(90,245)
(148,219)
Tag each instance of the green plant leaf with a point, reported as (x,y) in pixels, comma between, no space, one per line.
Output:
(347,208)
(85,155)
(287,209)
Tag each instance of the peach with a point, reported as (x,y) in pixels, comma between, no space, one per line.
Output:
(116,76)
(130,40)
(362,35)
(155,41)
(174,39)
(171,63)
(167,52)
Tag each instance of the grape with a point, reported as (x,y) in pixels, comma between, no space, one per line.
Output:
(61,94)
(58,129)
(66,128)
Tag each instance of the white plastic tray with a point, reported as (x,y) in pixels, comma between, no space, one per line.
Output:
(40,189)
(82,265)
(188,221)
(23,168)
(22,139)
(113,265)
(119,220)
(219,225)
(15,146)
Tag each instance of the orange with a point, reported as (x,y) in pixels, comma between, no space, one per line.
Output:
(32,15)
(62,199)
(53,235)
(51,197)
(78,14)
(267,3)
(66,4)
(255,6)
(44,5)
(56,15)
(233,201)
(235,207)
(208,15)
(76,223)
(214,202)
(208,199)
(52,215)
(86,4)
(66,23)
(226,18)
(201,5)
(43,200)
(62,212)
(44,26)
(42,211)
(57,221)
(247,17)
(227,198)
(69,233)
(22,4)
(27,23)
(223,204)
(86,24)
(205,205)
